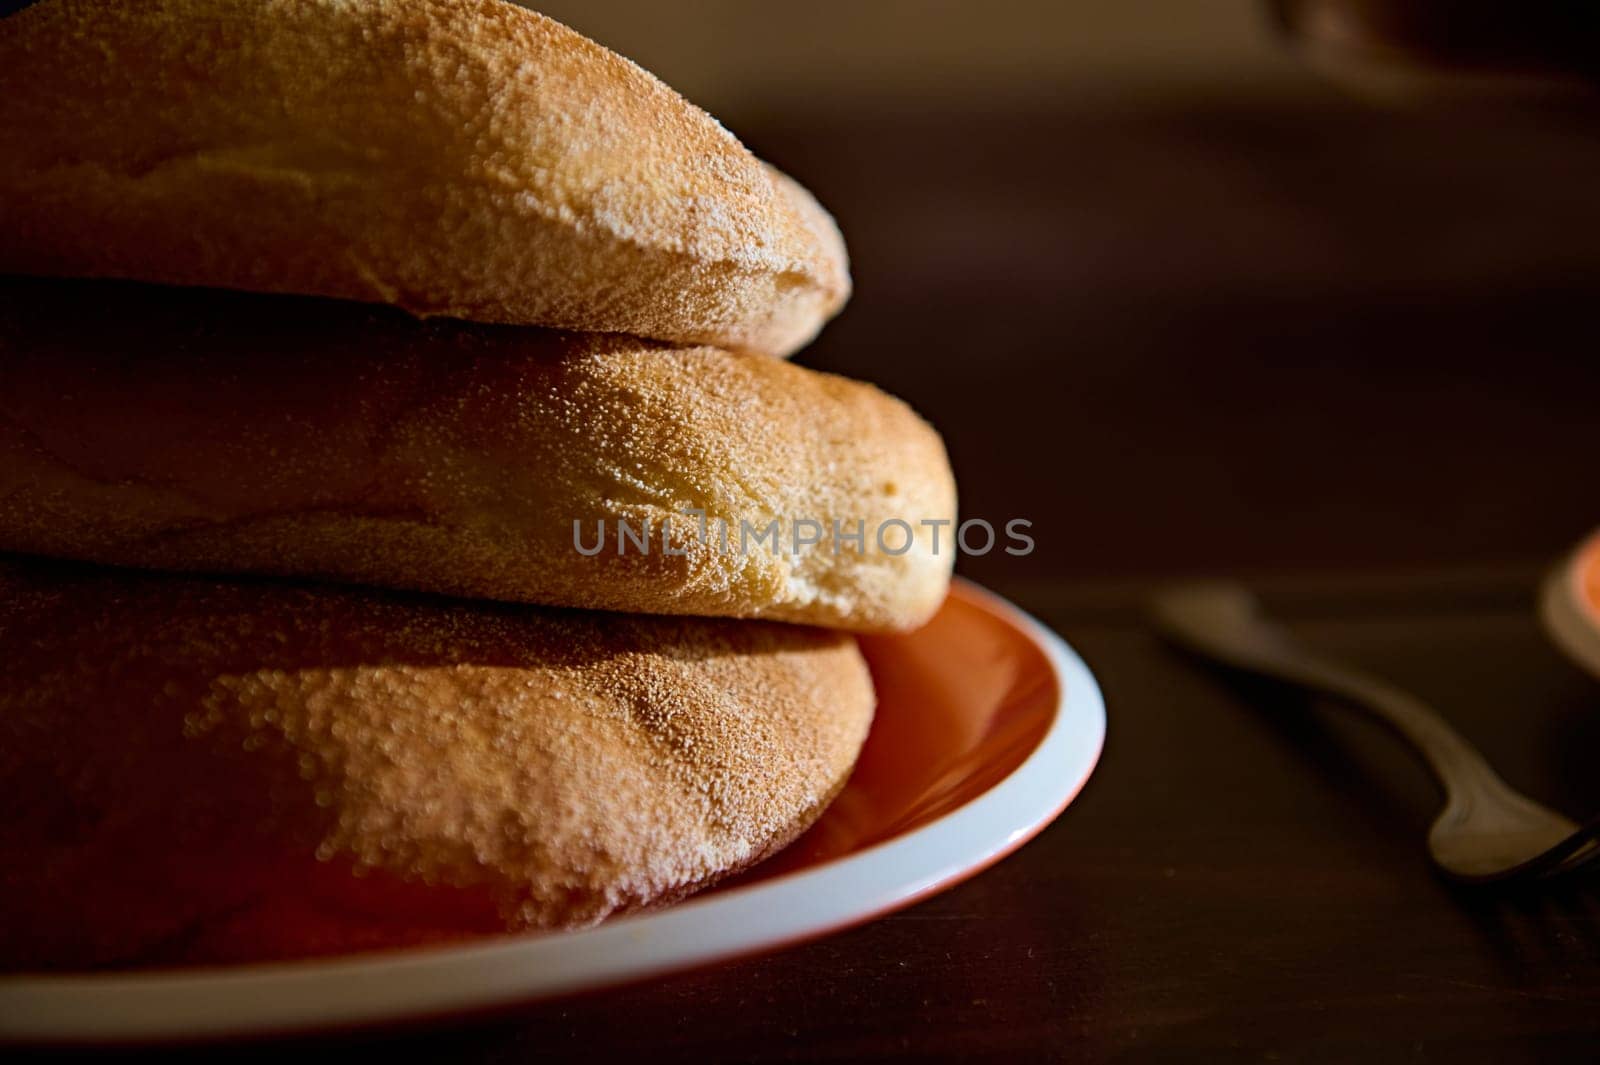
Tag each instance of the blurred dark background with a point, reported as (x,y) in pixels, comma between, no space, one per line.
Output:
(1216,287)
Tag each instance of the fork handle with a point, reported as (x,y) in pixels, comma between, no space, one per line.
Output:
(1242,639)
(1454,762)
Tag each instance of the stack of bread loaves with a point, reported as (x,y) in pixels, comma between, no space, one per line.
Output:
(443,349)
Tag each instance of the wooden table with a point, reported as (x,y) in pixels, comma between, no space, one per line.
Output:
(1351,356)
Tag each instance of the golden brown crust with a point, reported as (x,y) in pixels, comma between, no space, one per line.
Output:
(228,432)
(201,770)
(466,158)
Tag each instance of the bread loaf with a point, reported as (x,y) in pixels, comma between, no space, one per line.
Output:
(228,432)
(463,158)
(209,771)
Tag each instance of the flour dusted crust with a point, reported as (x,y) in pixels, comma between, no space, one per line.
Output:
(199,770)
(466,158)
(229,432)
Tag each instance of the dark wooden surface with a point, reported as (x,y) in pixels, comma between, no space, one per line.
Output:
(1227,333)
(1349,355)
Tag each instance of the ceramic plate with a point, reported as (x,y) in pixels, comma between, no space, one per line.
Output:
(1571,604)
(987,726)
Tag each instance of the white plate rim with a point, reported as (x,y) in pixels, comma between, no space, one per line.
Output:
(1562,605)
(359,991)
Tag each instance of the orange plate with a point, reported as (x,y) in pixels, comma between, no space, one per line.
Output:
(987,726)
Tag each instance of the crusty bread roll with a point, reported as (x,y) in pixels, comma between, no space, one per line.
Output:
(230,432)
(205,771)
(466,158)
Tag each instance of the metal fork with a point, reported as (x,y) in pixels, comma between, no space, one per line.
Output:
(1487,832)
